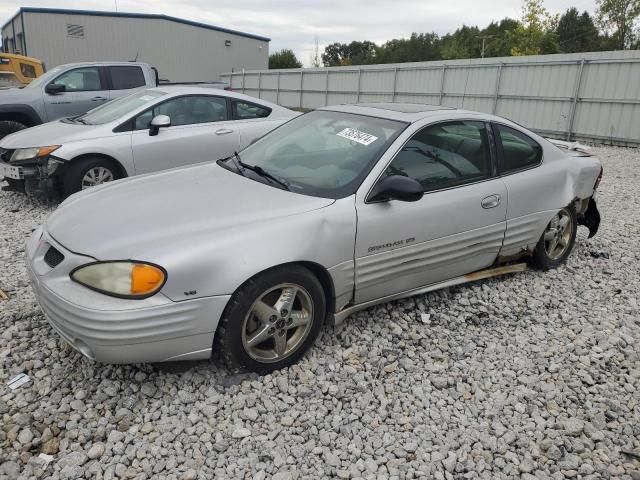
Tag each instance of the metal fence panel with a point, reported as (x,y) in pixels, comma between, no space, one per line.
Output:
(589,96)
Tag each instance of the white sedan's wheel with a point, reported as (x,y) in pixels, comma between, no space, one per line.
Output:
(558,239)
(97,176)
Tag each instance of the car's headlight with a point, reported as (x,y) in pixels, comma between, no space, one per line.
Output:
(126,279)
(32,153)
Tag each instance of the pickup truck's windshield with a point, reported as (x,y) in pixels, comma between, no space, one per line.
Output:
(115,109)
(323,153)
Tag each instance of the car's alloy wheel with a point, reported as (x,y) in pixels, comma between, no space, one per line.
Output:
(97,176)
(277,323)
(558,235)
(271,320)
(557,240)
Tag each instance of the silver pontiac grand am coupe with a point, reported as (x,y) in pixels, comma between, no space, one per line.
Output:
(334,211)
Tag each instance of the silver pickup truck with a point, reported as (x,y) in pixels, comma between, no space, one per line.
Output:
(73,89)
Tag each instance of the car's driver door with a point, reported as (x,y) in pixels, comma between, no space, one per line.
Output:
(456,228)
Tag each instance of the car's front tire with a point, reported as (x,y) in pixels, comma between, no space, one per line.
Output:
(88,172)
(271,320)
(557,240)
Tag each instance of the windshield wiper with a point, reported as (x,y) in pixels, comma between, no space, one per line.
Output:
(259,170)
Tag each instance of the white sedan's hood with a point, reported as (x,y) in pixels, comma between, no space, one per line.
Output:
(52,133)
(140,216)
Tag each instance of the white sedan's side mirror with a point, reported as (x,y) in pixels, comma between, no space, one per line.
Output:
(158,122)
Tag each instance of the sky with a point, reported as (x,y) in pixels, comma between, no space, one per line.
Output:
(295,24)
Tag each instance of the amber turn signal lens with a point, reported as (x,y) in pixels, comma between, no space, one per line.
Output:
(145,279)
(44,151)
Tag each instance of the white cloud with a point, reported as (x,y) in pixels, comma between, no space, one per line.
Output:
(295,23)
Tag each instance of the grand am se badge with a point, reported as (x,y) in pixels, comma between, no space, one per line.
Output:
(396,243)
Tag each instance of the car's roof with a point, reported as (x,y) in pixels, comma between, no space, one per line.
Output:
(405,112)
(74,64)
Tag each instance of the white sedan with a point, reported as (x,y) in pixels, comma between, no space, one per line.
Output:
(144,132)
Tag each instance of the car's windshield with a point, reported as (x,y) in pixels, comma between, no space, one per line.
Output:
(323,153)
(44,78)
(115,109)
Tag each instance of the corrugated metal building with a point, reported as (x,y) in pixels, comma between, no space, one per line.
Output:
(181,50)
(586,96)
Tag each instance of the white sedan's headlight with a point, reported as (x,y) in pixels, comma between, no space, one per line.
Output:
(124,279)
(32,153)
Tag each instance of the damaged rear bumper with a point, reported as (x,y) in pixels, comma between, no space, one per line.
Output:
(590,218)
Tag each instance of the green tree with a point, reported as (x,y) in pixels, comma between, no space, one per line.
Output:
(498,43)
(535,35)
(618,18)
(577,33)
(463,43)
(285,58)
(417,48)
(354,53)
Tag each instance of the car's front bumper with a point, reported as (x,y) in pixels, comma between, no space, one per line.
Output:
(114,330)
(32,177)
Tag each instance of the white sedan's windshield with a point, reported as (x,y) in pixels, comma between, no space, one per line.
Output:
(323,153)
(115,109)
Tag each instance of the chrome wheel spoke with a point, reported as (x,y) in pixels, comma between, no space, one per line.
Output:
(552,246)
(550,234)
(265,313)
(97,176)
(259,336)
(280,343)
(298,319)
(284,305)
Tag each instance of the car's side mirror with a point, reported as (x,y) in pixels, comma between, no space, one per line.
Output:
(54,88)
(396,187)
(158,122)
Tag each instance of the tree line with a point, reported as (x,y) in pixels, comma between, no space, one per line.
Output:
(537,32)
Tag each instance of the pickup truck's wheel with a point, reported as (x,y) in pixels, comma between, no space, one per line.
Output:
(272,320)
(88,172)
(10,126)
(558,239)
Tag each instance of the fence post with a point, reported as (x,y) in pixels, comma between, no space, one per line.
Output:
(326,89)
(497,93)
(395,80)
(301,85)
(574,102)
(278,89)
(444,72)
(358,92)
(243,80)
(259,84)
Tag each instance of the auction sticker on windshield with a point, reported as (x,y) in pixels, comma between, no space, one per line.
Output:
(357,136)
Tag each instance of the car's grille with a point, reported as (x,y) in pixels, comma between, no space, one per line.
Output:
(53,257)
(5,155)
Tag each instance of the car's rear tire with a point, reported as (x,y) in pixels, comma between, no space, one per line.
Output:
(88,172)
(8,127)
(557,240)
(271,320)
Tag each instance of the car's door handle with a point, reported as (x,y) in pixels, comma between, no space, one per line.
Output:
(224,131)
(99,99)
(491,201)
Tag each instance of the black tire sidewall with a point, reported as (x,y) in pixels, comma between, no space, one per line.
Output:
(541,259)
(229,336)
(77,169)
(7,127)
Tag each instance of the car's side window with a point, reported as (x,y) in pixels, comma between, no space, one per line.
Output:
(245,110)
(445,155)
(517,150)
(186,111)
(124,77)
(85,79)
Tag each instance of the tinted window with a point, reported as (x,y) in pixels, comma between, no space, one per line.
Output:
(244,110)
(518,150)
(28,70)
(119,107)
(80,80)
(124,77)
(186,111)
(445,155)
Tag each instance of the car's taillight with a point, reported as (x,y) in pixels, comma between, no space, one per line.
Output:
(598,179)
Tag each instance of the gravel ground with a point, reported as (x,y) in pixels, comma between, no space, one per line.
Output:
(534,376)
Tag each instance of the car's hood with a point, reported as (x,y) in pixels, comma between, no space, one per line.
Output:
(133,218)
(52,133)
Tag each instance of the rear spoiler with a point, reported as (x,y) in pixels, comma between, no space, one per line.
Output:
(575,146)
